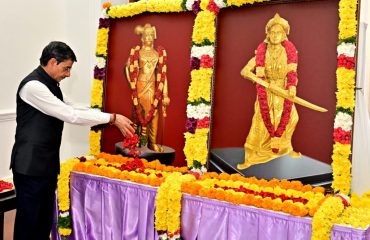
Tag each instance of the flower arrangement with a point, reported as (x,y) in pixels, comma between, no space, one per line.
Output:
(345,96)
(325,217)
(4,185)
(64,216)
(202,65)
(168,206)
(199,97)
(358,213)
(290,197)
(97,90)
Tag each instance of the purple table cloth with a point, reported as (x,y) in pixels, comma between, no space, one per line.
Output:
(105,209)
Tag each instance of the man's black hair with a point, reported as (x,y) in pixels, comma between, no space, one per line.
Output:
(58,50)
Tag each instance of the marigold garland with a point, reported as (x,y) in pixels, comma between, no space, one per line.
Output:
(168,206)
(325,217)
(64,219)
(341,165)
(345,96)
(358,214)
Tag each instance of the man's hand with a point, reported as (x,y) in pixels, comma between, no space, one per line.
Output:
(124,125)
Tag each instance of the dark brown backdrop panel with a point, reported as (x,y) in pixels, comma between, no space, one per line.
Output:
(314,32)
(174,34)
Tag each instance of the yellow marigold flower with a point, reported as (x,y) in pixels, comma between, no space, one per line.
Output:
(242,2)
(204,4)
(204,27)
(164,6)
(97,93)
(102,41)
(127,10)
(345,78)
(94,142)
(200,86)
(325,217)
(64,231)
(196,147)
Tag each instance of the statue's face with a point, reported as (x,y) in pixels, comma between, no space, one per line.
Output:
(148,36)
(276,34)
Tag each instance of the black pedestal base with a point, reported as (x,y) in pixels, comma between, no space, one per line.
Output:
(166,157)
(304,169)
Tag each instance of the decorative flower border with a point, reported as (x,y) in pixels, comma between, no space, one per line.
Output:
(64,216)
(202,65)
(291,197)
(345,96)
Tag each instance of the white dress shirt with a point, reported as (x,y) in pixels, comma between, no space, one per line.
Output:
(39,96)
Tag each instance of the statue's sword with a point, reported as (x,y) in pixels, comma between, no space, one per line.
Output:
(284,94)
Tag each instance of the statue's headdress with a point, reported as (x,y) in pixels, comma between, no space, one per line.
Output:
(280,21)
(139,30)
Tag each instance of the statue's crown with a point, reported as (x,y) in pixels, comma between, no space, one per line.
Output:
(277,20)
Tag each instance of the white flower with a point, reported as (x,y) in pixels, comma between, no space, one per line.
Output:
(198,52)
(196,170)
(347,49)
(344,121)
(220,3)
(198,111)
(176,236)
(189,4)
(64,214)
(203,169)
(104,13)
(100,62)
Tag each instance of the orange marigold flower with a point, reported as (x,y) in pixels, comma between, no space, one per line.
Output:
(107,4)
(318,189)
(224,176)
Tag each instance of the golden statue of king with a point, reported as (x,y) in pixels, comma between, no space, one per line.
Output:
(274,69)
(146,73)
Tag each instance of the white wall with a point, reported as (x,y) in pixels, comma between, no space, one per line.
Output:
(28,26)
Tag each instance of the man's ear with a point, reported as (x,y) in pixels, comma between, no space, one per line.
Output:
(52,62)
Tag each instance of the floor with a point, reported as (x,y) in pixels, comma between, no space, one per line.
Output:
(9,225)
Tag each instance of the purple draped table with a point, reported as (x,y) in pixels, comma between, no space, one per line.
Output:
(111,209)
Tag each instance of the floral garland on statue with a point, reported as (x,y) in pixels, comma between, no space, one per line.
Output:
(345,96)
(161,78)
(292,59)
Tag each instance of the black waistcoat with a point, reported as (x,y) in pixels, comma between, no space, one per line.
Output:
(38,136)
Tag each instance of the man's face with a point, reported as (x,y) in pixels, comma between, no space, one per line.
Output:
(276,34)
(59,71)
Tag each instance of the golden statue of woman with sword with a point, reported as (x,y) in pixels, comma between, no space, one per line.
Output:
(274,70)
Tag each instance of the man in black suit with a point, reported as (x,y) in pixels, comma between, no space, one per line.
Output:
(41,112)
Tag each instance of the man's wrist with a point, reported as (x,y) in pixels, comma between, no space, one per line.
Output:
(112,119)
